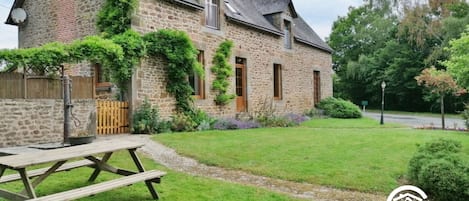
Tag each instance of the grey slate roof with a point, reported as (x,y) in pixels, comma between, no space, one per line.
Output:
(271,6)
(192,3)
(250,16)
(252,12)
(305,34)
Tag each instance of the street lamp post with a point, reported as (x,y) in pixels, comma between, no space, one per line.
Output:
(383,85)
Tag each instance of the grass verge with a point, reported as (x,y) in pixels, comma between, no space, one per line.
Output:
(351,154)
(175,186)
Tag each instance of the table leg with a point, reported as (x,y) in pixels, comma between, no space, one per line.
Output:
(140,168)
(2,170)
(51,170)
(97,170)
(28,187)
(136,160)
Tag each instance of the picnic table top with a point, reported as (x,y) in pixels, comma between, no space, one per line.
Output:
(34,158)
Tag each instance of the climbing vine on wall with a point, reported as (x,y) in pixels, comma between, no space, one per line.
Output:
(114,21)
(119,49)
(115,16)
(46,59)
(133,48)
(176,47)
(222,70)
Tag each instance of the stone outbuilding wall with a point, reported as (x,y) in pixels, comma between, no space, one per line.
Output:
(36,121)
(48,21)
(261,50)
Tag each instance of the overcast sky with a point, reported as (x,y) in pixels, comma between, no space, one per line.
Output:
(320,14)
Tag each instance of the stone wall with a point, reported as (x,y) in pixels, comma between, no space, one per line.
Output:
(35,121)
(63,21)
(52,20)
(260,49)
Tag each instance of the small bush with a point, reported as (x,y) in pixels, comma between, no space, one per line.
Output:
(202,120)
(165,127)
(276,122)
(182,123)
(445,180)
(146,119)
(314,113)
(438,169)
(339,108)
(203,126)
(296,118)
(231,124)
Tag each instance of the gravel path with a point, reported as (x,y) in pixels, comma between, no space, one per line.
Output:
(169,158)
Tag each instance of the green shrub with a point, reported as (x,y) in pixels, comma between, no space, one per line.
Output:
(314,113)
(164,126)
(115,16)
(202,120)
(339,108)
(146,119)
(182,122)
(437,168)
(276,121)
(445,180)
(223,71)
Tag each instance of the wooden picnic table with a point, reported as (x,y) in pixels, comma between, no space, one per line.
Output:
(60,158)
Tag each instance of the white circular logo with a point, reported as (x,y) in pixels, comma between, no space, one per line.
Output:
(407,193)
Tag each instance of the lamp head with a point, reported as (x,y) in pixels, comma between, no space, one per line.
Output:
(383,85)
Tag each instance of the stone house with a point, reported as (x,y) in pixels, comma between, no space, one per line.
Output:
(278,60)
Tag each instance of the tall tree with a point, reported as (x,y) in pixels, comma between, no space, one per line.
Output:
(440,83)
(361,32)
(458,64)
(393,41)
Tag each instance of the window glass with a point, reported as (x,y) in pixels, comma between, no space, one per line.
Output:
(211,13)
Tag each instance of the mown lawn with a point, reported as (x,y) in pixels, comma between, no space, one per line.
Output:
(174,187)
(351,154)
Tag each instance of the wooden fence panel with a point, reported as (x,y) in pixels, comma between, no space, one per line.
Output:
(44,88)
(11,85)
(82,88)
(113,117)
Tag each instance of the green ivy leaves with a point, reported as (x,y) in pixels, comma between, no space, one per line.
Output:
(133,48)
(177,48)
(222,70)
(46,59)
(115,16)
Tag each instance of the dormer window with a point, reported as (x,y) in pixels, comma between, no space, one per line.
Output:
(212,10)
(287,34)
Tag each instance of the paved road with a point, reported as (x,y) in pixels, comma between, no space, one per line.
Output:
(417,121)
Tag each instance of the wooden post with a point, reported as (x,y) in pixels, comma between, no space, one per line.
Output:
(25,84)
(67,108)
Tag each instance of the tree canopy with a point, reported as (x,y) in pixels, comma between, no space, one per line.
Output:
(458,64)
(393,41)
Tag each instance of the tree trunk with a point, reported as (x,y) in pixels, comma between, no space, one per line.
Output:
(442,107)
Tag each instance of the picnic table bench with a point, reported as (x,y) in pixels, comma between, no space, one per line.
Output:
(60,158)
